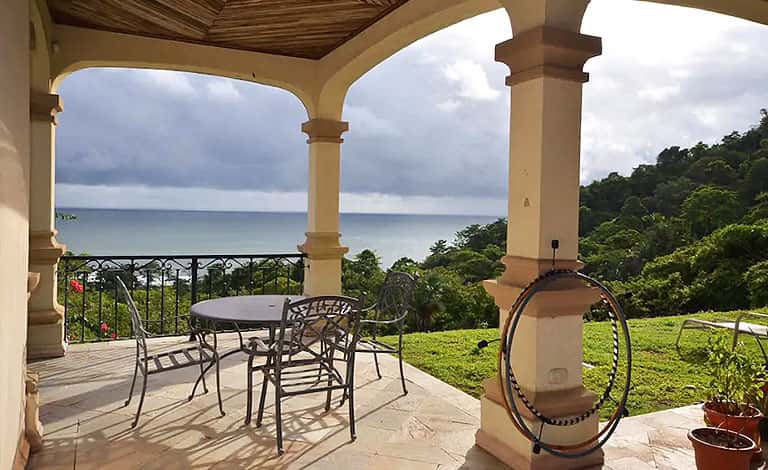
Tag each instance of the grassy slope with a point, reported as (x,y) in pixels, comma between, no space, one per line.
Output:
(661,378)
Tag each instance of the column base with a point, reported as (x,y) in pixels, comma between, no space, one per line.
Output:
(22,453)
(322,272)
(45,340)
(33,428)
(543,461)
(498,436)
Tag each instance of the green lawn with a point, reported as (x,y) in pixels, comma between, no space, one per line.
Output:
(661,378)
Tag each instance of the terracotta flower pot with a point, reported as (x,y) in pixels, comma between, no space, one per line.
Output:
(720,449)
(715,416)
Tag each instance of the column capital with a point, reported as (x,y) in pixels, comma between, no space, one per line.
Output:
(563,298)
(324,130)
(548,52)
(44,107)
(44,248)
(323,245)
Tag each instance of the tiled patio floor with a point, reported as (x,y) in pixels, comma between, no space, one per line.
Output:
(433,427)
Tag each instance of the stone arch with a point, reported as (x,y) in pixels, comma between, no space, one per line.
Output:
(75,49)
(404,26)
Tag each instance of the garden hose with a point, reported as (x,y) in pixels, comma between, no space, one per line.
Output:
(513,392)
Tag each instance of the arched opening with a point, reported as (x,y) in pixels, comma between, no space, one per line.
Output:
(153,139)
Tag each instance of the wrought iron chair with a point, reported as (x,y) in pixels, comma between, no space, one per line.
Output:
(150,364)
(302,359)
(391,309)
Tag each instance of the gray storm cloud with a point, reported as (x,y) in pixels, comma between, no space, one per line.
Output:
(431,121)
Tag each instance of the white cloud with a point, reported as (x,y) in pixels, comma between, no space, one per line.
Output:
(223,89)
(471,79)
(659,94)
(448,105)
(145,197)
(177,83)
(364,122)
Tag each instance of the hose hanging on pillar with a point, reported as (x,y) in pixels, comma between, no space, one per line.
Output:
(618,380)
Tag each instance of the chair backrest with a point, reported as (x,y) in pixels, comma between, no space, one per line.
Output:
(396,296)
(332,320)
(137,327)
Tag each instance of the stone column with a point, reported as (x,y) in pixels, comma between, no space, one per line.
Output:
(322,275)
(45,336)
(546,83)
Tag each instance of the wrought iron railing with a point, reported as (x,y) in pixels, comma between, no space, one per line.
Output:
(163,287)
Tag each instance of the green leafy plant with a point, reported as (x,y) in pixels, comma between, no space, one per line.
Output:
(736,378)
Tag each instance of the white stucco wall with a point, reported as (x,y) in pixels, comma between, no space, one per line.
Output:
(14,175)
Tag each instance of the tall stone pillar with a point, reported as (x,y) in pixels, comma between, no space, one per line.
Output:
(546,83)
(323,243)
(45,335)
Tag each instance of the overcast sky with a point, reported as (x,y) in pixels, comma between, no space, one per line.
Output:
(428,127)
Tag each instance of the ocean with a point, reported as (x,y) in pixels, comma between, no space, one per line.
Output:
(166,232)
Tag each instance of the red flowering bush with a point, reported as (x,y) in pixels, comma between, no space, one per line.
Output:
(104,327)
(76,286)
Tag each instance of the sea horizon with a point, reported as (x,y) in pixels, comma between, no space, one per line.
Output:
(154,209)
(124,231)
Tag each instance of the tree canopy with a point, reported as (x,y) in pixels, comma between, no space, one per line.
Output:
(687,233)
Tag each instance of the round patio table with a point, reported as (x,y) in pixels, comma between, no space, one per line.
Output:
(247,310)
(243,312)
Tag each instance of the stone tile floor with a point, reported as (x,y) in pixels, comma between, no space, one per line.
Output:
(433,427)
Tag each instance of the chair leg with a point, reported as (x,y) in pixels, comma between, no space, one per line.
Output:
(141,400)
(133,382)
(400,359)
(201,378)
(402,375)
(249,391)
(263,397)
(322,354)
(278,420)
(202,370)
(328,393)
(679,334)
(218,386)
(351,387)
(344,392)
(202,375)
(376,361)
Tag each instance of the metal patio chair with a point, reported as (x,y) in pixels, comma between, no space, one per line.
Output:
(162,361)
(394,302)
(302,359)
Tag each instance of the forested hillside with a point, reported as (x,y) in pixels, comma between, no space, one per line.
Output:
(687,233)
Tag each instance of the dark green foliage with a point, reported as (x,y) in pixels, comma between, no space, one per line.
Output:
(709,274)
(477,237)
(757,284)
(710,208)
(679,236)
(362,275)
(449,293)
(685,234)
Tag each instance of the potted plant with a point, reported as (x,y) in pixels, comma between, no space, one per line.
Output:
(736,385)
(719,449)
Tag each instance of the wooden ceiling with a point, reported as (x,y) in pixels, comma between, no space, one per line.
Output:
(297,28)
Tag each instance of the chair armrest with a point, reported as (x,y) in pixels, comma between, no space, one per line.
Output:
(750,314)
(739,319)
